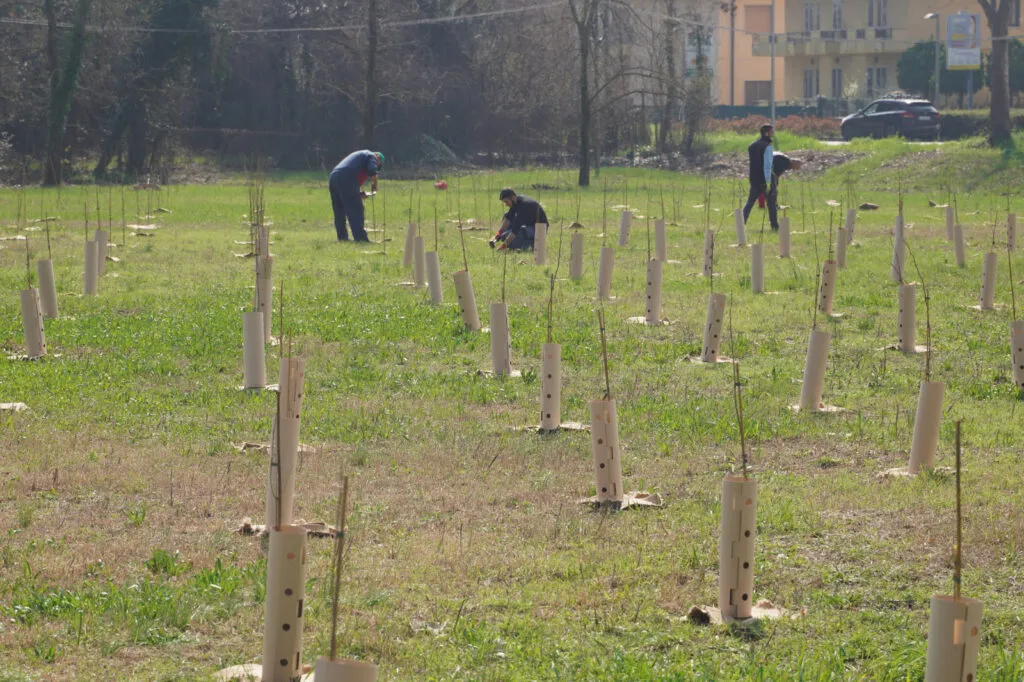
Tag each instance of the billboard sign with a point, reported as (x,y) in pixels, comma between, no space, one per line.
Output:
(963,42)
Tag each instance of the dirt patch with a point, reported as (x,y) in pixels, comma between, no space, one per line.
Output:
(736,164)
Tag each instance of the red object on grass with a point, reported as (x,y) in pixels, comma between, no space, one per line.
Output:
(441,184)
(761,200)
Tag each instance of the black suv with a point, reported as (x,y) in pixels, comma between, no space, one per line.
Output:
(893,116)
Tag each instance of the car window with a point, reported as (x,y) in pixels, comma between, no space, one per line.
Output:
(889,106)
(871,108)
(922,107)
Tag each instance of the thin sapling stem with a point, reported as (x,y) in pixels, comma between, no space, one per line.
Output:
(339,551)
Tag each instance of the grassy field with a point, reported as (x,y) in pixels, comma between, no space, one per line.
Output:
(470,558)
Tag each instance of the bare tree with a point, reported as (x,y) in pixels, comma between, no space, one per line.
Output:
(63,82)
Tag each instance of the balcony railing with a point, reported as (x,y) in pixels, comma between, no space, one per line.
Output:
(831,42)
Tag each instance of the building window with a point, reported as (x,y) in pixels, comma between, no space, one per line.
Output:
(812,15)
(878,13)
(878,81)
(758,18)
(1015,13)
(837,15)
(755,92)
(810,83)
(837,83)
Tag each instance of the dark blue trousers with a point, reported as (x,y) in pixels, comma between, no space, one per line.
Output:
(347,203)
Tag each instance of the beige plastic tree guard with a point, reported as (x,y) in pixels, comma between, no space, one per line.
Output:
(604,440)
(1017,352)
(954,639)
(625,223)
(262,241)
(32,322)
(741,227)
(265,291)
(784,237)
(899,251)
(708,268)
(654,276)
(47,288)
(604,273)
(91,268)
(713,328)
(419,260)
(736,548)
(285,604)
(926,426)
(551,387)
(410,239)
(284,443)
(327,670)
(254,363)
(757,268)
(467,300)
(949,223)
(850,224)
(828,287)
(660,241)
(540,244)
(958,246)
(989,268)
(908,318)
(501,341)
(101,238)
(814,371)
(434,278)
(841,248)
(576,257)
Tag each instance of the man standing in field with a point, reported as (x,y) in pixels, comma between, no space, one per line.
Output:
(346,197)
(761,175)
(519,224)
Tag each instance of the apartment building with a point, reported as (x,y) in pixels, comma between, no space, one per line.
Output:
(849,49)
(742,76)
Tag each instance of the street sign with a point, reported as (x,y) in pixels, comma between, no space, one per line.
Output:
(963,42)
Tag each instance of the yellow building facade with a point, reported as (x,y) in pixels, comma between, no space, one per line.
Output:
(743,77)
(849,49)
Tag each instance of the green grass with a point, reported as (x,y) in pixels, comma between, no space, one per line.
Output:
(469,556)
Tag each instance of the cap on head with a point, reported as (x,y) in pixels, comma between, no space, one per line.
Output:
(507,193)
(380,158)
(766,128)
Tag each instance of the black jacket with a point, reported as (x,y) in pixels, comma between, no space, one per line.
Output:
(526,211)
(756,152)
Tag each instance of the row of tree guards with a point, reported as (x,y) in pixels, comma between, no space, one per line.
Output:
(286,552)
(955,621)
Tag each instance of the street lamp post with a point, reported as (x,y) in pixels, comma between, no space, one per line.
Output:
(935,16)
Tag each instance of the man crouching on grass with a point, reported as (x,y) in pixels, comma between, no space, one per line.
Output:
(519,224)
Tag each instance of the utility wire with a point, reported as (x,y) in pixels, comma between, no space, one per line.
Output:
(93,28)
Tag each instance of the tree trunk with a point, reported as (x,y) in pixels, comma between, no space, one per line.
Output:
(997,12)
(62,86)
(670,75)
(370,105)
(585,113)
(583,27)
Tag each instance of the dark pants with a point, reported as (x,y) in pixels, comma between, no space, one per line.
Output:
(521,238)
(771,199)
(347,203)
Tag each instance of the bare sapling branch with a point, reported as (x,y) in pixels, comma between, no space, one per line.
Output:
(927,315)
(604,353)
(339,552)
